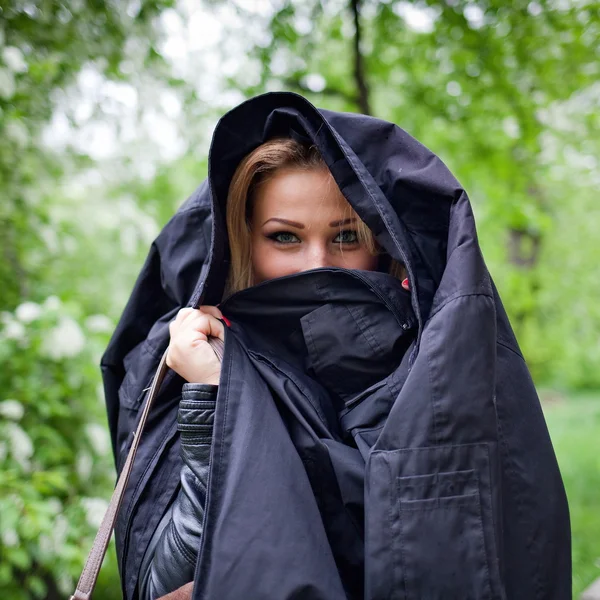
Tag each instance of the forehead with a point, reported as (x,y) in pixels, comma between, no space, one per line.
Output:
(310,194)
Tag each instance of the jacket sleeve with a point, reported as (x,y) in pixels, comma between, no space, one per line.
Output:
(170,560)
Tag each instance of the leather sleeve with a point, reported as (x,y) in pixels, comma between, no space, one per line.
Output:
(171,557)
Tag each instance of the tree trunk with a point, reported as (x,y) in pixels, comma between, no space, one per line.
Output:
(362,98)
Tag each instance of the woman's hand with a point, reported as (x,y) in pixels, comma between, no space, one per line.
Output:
(189,354)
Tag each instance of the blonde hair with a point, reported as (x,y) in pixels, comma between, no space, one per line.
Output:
(269,157)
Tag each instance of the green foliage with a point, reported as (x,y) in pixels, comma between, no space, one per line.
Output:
(574,425)
(56,471)
(55,459)
(43,47)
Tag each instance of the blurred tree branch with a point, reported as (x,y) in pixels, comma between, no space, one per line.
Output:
(359,69)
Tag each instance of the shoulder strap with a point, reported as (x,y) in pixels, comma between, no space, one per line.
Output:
(88,578)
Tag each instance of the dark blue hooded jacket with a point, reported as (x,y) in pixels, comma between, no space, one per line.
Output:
(366,443)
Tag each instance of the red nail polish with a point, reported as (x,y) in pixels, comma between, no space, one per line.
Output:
(227,321)
(405,284)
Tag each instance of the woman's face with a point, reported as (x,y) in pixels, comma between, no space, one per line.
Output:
(301,221)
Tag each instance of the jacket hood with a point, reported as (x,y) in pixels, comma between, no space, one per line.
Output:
(403,192)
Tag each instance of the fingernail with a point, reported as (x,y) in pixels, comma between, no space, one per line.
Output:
(405,284)
(227,321)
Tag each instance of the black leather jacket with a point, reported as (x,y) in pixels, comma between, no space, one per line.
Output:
(171,557)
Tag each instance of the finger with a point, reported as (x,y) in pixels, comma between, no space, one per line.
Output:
(180,318)
(192,337)
(216,328)
(191,315)
(207,325)
(182,313)
(186,315)
(197,322)
(212,310)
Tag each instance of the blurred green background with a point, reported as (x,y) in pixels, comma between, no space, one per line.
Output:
(106,113)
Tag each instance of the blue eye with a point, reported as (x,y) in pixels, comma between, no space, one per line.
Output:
(347,236)
(284,237)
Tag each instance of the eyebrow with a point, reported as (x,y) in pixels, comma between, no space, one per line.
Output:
(301,226)
(286,222)
(342,222)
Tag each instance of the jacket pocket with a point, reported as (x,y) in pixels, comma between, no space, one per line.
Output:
(441,537)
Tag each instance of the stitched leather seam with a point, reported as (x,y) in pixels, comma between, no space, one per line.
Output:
(181,545)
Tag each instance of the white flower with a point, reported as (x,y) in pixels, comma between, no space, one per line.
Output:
(16,501)
(17,132)
(7,84)
(84,466)
(13,59)
(129,239)
(59,532)
(20,445)
(28,311)
(10,537)
(52,303)
(12,409)
(54,505)
(148,228)
(64,340)
(94,510)
(64,581)
(13,330)
(50,238)
(100,394)
(99,324)
(511,127)
(45,545)
(315,82)
(98,437)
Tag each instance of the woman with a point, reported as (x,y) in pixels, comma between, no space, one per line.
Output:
(367,442)
(286,215)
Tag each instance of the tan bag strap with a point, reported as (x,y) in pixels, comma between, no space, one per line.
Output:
(88,578)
